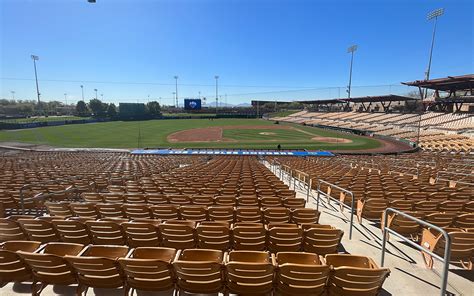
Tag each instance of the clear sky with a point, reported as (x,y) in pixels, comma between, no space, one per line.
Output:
(280,49)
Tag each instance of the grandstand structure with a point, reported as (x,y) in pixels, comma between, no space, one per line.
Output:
(102,221)
(446,125)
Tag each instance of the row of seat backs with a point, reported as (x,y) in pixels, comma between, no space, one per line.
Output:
(186,212)
(192,270)
(310,237)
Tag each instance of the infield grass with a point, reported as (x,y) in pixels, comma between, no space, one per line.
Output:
(153,133)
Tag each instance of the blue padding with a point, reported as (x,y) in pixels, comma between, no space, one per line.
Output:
(229,152)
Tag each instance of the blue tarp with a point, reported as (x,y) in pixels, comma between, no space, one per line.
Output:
(229,152)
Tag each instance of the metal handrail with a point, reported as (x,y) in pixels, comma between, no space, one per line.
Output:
(306,180)
(447,247)
(338,201)
(42,184)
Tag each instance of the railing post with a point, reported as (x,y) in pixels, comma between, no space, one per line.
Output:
(352,214)
(318,192)
(447,245)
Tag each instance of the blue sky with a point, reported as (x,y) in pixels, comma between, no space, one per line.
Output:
(280,49)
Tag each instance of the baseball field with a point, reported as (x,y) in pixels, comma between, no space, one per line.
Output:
(190,133)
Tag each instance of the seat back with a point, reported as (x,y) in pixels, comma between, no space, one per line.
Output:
(320,239)
(10,230)
(72,231)
(249,236)
(141,234)
(149,269)
(199,271)
(305,215)
(213,235)
(221,213)
(136,211)
(177,235)
(300,274)
(276,215)
(39,230)
(165,212)
(13,268)
(106,233)
(284,239)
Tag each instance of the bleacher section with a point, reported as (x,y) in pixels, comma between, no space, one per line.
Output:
(438,131)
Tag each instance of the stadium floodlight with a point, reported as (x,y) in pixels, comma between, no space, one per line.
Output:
(13,94)
(36,58)
(217,91)
(432,15)
(65,98)
(91,1)
(82,91)
(176,85)
(351,50)
(95,89)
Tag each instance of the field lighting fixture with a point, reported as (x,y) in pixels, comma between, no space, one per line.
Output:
(82,91)
(36,58)
(13,94)
(351,50)
(432,15)
(176,87)
(91,1)
(217,91)
(95,89)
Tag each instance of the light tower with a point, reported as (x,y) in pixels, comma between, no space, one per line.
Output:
(36,58)
(432,15)
(82,91)
(217,91)
(176,85)
(351,50)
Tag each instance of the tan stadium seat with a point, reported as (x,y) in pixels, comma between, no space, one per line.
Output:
(11,230)
(115,197)
(135,198)
(221,213)
(13,268)
(248,214)
(440,219)
(213,235)
(225,200)
(284,238)
(92,197)
(199,271)
(176,199)
(165,212)
(249,236)
(85,210)
(305,215)
(248,201)
(178,234)
(267,202)
(39,230)
(193,213)
(294,203)
(141,234)
(156,198)
(300,274)
(462,246)
(148,269)
(137,211)
(404,226)
(276,215)
(249,272)
(464,221)
(321,239)
(60,209)
(97,267)
(105,233)
(110,210)
(371,208)
(72,231)
(353,275)
(48,265)
(202,200)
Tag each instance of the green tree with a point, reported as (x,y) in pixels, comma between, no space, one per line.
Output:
(97,107)
(111,110)
(81,109)
(154,108)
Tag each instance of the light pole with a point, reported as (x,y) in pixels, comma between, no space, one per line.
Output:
(432,15)
(35,58)
(351,50)
(13,95)
(176,85)
(95,89)
(174,96)
(217,91)
(82,91)
(65,98)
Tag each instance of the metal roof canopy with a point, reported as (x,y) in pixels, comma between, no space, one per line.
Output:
(450,83)
(368,99)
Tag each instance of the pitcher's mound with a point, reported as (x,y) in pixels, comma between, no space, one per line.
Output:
(331,140)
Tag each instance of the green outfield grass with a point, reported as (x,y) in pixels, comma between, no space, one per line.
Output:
(153,133)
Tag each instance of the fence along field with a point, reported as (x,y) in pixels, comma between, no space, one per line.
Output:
(229,133)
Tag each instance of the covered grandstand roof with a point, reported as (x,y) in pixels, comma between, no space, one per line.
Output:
(367,99)
(260,102)
(450,83)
